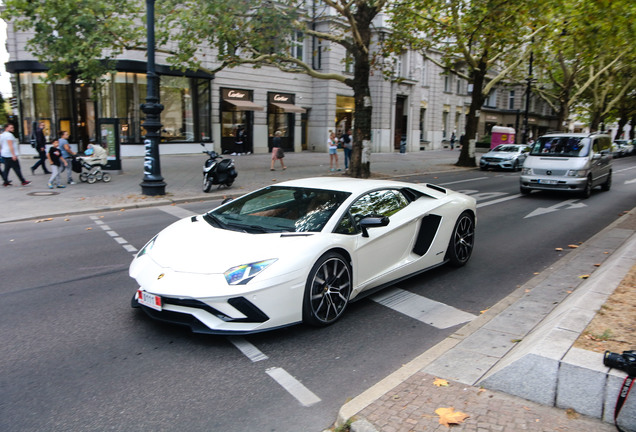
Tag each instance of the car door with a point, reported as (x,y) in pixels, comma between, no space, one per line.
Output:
(602,159)
(386,249)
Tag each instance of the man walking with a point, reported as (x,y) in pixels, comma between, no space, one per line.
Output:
(40,146)
(10,152)
(67,154)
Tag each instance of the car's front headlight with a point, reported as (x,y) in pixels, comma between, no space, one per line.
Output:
(526,171)
(577,173)
(148,247)
(242,274)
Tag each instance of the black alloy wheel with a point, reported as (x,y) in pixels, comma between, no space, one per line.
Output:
(462,240)
(327,290)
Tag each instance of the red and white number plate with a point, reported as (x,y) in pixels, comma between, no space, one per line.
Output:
(150,300)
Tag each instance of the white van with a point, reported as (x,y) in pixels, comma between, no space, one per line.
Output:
(574,162)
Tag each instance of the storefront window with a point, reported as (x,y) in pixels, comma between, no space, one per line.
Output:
(35,98)
(278,122)
(63,106)
(176,118)
(203,105)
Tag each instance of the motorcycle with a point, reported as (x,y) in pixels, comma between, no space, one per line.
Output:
(217,172)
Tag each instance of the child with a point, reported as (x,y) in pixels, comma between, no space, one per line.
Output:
(56,160)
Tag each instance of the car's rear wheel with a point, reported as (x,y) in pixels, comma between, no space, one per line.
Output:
(327,290)
(462,241)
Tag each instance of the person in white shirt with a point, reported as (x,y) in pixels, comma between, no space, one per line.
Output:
(10,152)
(332,143)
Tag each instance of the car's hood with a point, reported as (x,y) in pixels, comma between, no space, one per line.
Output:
(197,247)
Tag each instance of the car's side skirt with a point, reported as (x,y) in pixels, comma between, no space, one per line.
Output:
(373,290)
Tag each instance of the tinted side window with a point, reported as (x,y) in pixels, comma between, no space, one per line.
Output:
(604,143)
(377,203)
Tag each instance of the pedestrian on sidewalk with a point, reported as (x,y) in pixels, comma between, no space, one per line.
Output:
(56,161)
(277,151)
(68,154)
(40,147)
(10,151)
(347,145)
(332,143)
(452,141)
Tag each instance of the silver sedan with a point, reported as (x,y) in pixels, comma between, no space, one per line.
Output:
(505,156)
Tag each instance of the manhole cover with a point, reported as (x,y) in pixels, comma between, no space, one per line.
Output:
(45,193)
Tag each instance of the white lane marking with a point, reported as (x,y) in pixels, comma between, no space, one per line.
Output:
(120,240)
(177,211)
(569,204)
(630,181)
(425,310)
(625,169)
(293,386)
(250,351)
(500,200)
(463,181)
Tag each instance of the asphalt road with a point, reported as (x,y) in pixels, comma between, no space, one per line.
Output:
(76,357)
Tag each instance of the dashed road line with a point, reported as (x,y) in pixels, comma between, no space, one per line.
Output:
(250,351)
(177,212)
(431,312)
(120,240)
(293,386)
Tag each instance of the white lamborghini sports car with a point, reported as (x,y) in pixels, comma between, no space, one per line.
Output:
(299,251)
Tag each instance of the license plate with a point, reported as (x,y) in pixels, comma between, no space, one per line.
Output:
(150,300)
(548,181)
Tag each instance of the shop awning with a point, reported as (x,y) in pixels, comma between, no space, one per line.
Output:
(245,105)
(290,108)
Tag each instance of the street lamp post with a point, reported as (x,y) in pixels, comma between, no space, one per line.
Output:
(152,183)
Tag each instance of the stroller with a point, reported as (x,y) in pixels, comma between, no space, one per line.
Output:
(90,167)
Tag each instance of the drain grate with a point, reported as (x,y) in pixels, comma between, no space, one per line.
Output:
(44,193)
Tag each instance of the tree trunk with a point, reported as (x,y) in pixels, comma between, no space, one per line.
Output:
(360,166)
(467,155)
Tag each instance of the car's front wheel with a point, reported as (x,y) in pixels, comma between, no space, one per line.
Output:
(462,241)
(327,290)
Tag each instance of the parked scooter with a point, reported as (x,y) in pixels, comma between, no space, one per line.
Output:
(217,172)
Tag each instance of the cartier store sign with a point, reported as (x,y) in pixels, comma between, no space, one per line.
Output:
(236,94)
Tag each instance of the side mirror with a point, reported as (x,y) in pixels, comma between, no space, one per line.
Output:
(372,222)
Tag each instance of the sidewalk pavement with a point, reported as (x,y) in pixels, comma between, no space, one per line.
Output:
(513,368)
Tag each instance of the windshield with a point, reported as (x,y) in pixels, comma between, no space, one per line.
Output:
(278,209)
(563,146)
(506,148)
